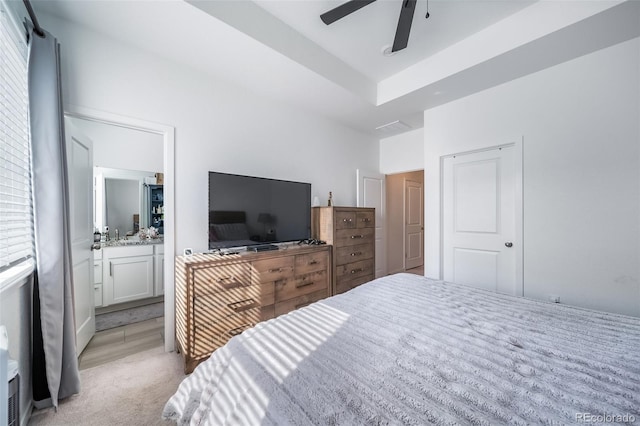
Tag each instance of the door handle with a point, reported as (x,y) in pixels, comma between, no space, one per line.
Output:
(508,244)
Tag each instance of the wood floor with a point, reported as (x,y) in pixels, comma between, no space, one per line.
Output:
(110,345)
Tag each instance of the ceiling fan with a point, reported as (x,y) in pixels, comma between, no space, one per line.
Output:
(404,22)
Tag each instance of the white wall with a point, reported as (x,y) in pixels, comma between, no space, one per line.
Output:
(579,121)
(402,153)
(123,148)
(219,127)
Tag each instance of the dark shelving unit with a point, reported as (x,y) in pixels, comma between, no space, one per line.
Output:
(156,207)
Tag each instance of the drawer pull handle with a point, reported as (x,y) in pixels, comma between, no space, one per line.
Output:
(223,279)
(238,330)
(275,270)
(366,219)
(355,271)
(110,269)
(346,220)
(357,253)
(353,237)
(313,262)
(231,285)
(242,305)
(304,283)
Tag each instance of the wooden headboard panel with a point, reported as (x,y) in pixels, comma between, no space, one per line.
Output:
(219,216)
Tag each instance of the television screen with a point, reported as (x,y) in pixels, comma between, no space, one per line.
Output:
(246,210)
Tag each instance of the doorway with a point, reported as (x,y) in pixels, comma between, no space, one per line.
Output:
(152,151)
(405,222)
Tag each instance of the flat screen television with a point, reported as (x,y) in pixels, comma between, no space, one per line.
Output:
(249,211)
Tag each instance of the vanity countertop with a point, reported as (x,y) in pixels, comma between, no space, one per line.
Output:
(132,241)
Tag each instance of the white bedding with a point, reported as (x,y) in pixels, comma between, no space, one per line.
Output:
(408,350)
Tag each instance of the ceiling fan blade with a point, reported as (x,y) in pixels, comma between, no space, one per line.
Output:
(343,10)
(404,25)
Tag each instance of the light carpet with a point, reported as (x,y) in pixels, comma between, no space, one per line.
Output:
(129,316)
(129,391)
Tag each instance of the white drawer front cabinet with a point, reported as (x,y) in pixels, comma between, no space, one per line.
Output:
(128,274)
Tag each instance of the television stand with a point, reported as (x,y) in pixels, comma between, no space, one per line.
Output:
(263,247)
(218,297)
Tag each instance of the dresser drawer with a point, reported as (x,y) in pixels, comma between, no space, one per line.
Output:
(303,284)
(355,253)
(365,219)
(211,334)
(224,304)
(265,293)
(353,270)
(346,285)
(352,237)
(273,269)
(311,262)
(345,219)
(221,278)
(267,312)
(299,302)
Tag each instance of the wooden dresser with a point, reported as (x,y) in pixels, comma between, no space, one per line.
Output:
(351,232)
(218,297)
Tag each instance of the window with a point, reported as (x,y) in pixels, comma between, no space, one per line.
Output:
(16,213)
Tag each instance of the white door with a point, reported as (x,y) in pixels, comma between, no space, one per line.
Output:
(80,173)
(414,227)
(479,220)
(370,193)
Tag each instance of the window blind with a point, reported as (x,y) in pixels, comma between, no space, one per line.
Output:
(16,213)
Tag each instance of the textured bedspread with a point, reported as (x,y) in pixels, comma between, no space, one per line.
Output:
(408,350)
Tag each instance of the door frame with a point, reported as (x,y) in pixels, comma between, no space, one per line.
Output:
(168,136)
(380,268)
(518,146)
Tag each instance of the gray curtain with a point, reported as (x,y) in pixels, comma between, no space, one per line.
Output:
(54,281)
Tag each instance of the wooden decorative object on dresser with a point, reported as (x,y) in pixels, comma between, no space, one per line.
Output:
(218,296)
(351,231)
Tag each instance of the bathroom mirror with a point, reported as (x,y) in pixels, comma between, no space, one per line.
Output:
(120,199)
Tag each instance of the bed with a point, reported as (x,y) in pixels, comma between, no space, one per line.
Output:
(405,349)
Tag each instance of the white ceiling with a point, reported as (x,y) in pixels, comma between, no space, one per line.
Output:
(359,38)
(280,49)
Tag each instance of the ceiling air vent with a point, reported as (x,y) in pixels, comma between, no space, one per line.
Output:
(393,127)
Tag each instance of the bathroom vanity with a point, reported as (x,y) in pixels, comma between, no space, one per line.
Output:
(127,271)
(127,268)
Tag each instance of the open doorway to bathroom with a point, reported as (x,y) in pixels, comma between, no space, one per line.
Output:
(128,279)
(405,222)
